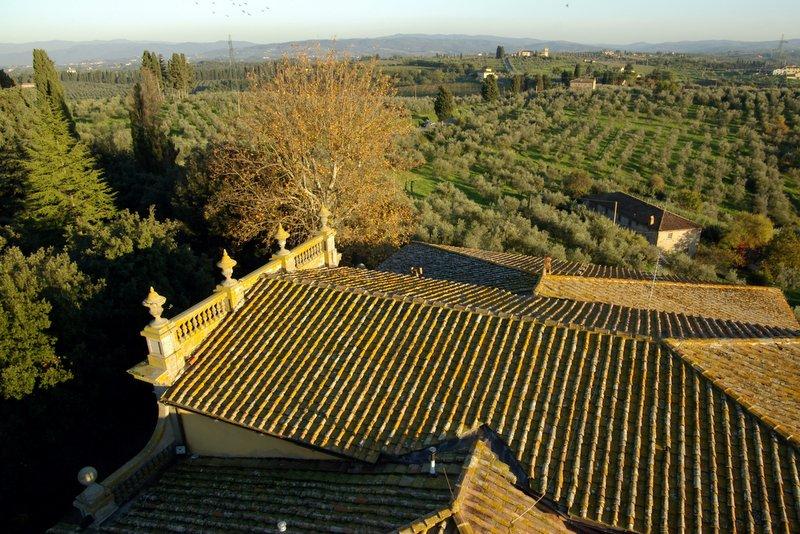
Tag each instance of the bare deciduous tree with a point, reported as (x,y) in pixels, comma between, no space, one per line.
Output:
(322,131)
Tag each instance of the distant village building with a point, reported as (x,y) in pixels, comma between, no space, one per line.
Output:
(532,53)
(486,72)
(662,228)
(27,86)
(583,84)
(791,71)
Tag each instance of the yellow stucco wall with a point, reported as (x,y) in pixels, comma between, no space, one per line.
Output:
(685,240)
(210,437)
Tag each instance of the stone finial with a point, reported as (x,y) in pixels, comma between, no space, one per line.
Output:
(547,268)
(226,265)
(155,303)
(282,235)
(324,214)
(87,475)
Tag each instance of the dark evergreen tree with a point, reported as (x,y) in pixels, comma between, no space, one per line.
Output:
(489,89)
(180,74)
(5,80)
(501,52)
(565,77)
(578,72)
(517,83)
(444,105)
(151,62)
(152,148)
(63,185)
(49,88)
(28,360)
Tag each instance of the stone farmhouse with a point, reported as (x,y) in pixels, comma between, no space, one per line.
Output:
(583,84)
(532,53)
(455,390)
(485,73)
(662,228)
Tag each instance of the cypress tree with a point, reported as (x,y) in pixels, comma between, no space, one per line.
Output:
(6,81)
(151,147)
(63,185)
(517,83)
(49,88)
(443,105)
(152,64)
(489,89)
(180,74)
(501,52)
(578,71)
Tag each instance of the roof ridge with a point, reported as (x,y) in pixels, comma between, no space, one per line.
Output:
(730,340)
(475,310)
(401,298)
(662,281)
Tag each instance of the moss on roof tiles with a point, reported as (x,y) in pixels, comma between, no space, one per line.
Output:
(745,304)
(615,429)
(395,494)
(763,375)
(490,300)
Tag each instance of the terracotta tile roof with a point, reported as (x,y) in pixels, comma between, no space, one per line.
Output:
(615,429)
(746,304)
(447,265)
(514,272)
(490,300)
(478,485)
(253,494)
(625,288)
(489,499)
(763,375)
(641,211)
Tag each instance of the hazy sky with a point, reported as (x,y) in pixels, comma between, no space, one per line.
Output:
(595,21)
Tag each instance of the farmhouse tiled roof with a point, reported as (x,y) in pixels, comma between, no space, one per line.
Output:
(641,211)
(622,430)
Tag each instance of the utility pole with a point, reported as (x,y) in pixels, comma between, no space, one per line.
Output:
(230,75)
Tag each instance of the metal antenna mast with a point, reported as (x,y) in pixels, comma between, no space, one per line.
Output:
(231,59)
(781,56)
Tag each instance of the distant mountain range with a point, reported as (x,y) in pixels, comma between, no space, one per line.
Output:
(121,51)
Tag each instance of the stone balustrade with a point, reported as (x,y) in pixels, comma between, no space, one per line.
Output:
(171,341)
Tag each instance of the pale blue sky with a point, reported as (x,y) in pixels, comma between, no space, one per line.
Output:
(610,21)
